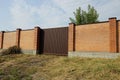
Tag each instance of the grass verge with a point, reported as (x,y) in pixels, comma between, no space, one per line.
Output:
(47,67)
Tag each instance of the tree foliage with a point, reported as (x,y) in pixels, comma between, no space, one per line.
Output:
(84,17)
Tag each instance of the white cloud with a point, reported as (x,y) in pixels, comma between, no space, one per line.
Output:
(109,9)
(53,13)
(70,5)
(50,16)
(21,13)
(45,15)
(105,8)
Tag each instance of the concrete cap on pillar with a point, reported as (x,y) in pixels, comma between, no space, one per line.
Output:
(112,18)
(72,24)
(18,29)
(2,31)
(36,27)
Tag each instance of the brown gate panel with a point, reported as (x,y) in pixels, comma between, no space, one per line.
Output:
(55,41)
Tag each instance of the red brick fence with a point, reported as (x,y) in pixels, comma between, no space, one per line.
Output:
(97,37)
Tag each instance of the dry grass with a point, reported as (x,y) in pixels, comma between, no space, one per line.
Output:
(47,67)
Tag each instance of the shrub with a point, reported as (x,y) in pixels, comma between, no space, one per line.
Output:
(11,50)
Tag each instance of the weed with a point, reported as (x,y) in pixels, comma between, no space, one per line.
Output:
(11,50)
(47,67)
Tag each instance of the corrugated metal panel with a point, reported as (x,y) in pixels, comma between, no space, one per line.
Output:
(55,41)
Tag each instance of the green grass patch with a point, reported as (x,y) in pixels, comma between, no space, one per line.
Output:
(48,67)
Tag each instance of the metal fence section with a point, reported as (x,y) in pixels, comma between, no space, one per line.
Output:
(54,41)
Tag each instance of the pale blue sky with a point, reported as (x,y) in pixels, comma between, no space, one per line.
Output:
(26,14)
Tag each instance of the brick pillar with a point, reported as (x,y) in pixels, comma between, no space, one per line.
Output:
(71,37)
(36,39)
(1,39)
(113,35)
(18,37)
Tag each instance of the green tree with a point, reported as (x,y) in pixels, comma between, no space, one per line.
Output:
(84,17)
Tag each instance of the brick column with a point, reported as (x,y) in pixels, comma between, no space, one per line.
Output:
(113,35)
(71,37)
(18,37)
(36,39)
(1,39)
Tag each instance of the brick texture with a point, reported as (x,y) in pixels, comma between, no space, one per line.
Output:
(18,37)
(93,37)
(27,40)
(1,39)
(113,35)
(119,35)
(36,38)
(98,37)
(9,39)
(71,37)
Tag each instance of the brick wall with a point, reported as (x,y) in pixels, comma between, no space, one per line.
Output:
(92,37)
(27,40)
(71,37)
(9,39)
(113,35)
(97,37)
(1,40)
(119,35)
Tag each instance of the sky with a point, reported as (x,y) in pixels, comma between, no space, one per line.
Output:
(26,14)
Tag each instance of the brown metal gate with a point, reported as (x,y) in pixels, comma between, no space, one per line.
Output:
(54,41)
